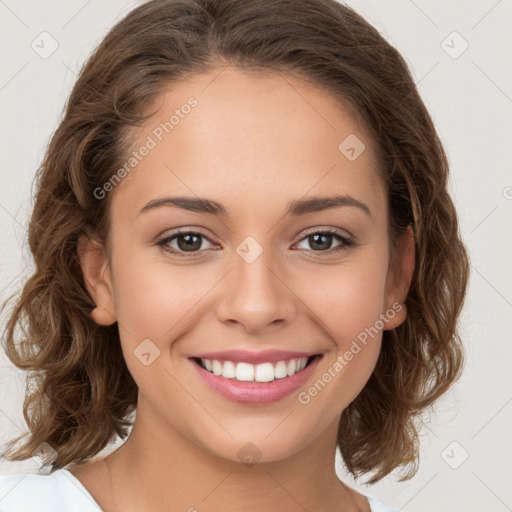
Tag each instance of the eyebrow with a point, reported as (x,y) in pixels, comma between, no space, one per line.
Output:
(298,207)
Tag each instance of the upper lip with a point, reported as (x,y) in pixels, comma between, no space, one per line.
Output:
(247,356)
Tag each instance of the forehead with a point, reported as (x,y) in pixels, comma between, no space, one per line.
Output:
(231,133)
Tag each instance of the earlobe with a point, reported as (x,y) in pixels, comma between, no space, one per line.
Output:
(97,279)
(399,278)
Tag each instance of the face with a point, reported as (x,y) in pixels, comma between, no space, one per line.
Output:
(276,255)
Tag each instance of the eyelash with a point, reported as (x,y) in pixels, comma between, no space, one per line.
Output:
(346,242)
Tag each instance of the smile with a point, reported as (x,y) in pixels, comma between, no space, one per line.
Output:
(247,372)
(255,378)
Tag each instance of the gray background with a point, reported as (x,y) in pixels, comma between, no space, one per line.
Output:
(466,451)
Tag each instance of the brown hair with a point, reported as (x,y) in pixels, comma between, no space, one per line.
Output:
(83,392)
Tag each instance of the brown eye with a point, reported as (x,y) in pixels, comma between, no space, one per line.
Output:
(184,242)
(321,241)
(191,242)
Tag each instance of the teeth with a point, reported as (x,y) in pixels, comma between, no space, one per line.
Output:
(280,370)
(246,372)
(264,372)
(229,370)
(217,367)
(292,366)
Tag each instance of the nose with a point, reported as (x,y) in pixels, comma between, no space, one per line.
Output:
(255,296)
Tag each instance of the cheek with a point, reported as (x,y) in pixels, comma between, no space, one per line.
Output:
(349,298)
(153,303)
(154,307)
(348,302)
(158,301)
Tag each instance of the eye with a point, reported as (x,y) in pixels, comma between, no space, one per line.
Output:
(184,242)
(190,243)
(320,241)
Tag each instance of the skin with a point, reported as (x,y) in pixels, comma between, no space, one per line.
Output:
(253,143)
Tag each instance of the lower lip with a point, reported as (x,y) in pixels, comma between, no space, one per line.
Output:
(256,392)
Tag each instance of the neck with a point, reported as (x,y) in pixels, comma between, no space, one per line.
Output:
(159,469)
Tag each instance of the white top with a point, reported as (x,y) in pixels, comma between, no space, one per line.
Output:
(61,492)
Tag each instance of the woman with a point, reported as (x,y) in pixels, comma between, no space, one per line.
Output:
(242,232)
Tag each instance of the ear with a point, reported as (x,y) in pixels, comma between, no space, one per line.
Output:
(399,279)
(97,279)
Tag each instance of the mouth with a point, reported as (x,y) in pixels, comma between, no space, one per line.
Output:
(246,372)
(260,382)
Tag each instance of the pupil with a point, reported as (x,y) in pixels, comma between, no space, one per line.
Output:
(189,243)
(318,245)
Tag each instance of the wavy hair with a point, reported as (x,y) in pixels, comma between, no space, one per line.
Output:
(79,391)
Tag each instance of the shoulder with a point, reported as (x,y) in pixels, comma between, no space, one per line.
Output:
(58,492)
(377,506)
